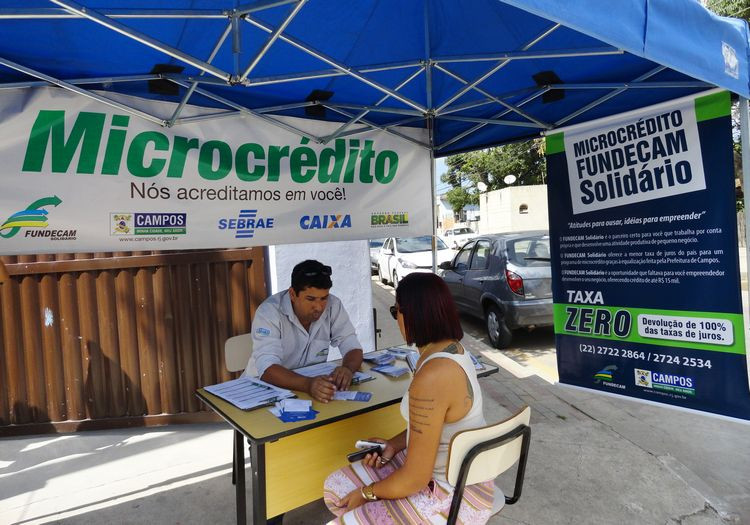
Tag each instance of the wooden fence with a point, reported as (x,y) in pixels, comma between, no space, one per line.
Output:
(96,340)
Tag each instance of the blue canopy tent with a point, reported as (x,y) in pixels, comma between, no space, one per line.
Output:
(475,73)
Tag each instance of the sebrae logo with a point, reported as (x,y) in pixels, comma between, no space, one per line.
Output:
(246,223)
(321,222)
(391,218)
(149,223)
(34,216)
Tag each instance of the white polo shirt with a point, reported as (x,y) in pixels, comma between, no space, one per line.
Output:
(280,339)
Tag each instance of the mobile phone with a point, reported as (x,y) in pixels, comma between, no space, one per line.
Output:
(363,443)
(360,454)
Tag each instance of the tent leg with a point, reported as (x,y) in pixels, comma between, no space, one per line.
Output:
(432,197)
(745,143)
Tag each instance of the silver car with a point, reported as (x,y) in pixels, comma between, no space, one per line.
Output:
(375,245)
(504,279)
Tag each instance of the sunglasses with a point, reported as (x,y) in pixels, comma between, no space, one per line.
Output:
(394,312)
(325,270)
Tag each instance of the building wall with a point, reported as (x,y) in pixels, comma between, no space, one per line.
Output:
(350,265)
(499,210)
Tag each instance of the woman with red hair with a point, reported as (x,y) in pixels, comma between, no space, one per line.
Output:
(406,482)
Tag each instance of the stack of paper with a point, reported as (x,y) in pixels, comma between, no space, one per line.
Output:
(247,393)
(400,352)
(391,370)
(290,410)
(325,369)
(380,357)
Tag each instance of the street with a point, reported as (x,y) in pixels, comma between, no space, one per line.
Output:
(530,353)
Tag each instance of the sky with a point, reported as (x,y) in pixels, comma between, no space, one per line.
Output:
(440,168)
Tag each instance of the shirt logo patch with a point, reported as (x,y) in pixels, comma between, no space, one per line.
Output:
(322,353)
(263,331)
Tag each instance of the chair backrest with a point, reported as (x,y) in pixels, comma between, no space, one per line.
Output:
(492,462)
(237,352)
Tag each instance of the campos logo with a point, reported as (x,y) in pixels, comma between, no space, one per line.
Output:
(35,217)
(246,223)
(391,218)
(321,222)
(148,223)
(665,382)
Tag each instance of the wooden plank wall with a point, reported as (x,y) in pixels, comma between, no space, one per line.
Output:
(126,335)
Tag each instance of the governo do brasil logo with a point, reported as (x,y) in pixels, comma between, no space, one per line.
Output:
(32,217)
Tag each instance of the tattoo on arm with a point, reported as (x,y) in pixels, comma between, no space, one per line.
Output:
(420,410)
(451,348)
(469,390)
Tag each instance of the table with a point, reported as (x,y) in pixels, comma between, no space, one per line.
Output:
(290,461)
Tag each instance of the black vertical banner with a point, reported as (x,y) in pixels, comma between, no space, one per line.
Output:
(645,264)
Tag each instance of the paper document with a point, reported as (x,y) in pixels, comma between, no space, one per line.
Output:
(248,392)
(351,395)
(325,369)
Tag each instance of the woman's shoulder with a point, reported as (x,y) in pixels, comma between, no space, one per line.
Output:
(438,368)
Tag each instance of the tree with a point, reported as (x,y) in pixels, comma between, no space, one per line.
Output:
(733,8)
(525,160)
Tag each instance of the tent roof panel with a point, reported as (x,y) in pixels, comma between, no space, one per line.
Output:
(475,59)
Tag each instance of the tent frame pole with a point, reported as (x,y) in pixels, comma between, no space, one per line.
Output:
(494,69)
(515,108)
(113,25)
(745,144)
(348,70)
(194,85)
(495,116)
(367,109)
(81,91)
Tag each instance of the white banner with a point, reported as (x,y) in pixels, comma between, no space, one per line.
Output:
(633,157)
(80,176)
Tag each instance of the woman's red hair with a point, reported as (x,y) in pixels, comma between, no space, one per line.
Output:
(430,315)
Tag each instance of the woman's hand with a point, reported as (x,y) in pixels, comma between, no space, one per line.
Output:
(352,500)
(380,459)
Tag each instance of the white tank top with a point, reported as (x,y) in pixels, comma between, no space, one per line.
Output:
(473,419)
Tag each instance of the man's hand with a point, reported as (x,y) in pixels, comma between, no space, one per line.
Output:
(342,377)
(321,388)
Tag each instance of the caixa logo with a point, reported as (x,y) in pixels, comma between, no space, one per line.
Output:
(320,222)
(245,224)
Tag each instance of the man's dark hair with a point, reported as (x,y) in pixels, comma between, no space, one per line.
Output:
(311,273)
(430,315)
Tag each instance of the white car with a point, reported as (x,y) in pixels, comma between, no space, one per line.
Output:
(457,237)
(400,256)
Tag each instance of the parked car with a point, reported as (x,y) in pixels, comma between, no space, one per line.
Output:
(375,245)
(456,237)
(504,279)
(400,256)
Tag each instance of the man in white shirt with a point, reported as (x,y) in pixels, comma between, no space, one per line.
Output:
(295,328)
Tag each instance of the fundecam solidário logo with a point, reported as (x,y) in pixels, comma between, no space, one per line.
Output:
(34,216)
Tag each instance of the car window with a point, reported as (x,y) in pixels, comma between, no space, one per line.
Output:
(481,255)
(418,244)
(462,259)
(388,243)
(463,231)
(529,251)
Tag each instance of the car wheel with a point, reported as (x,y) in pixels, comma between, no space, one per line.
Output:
(498,332)
(395,279)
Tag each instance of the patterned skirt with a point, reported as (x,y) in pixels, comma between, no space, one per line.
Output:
(428,506)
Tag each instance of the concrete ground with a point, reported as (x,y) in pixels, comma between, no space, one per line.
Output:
(593,459)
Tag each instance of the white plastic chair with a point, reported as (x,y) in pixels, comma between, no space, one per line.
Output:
(482,454)
(237,352)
